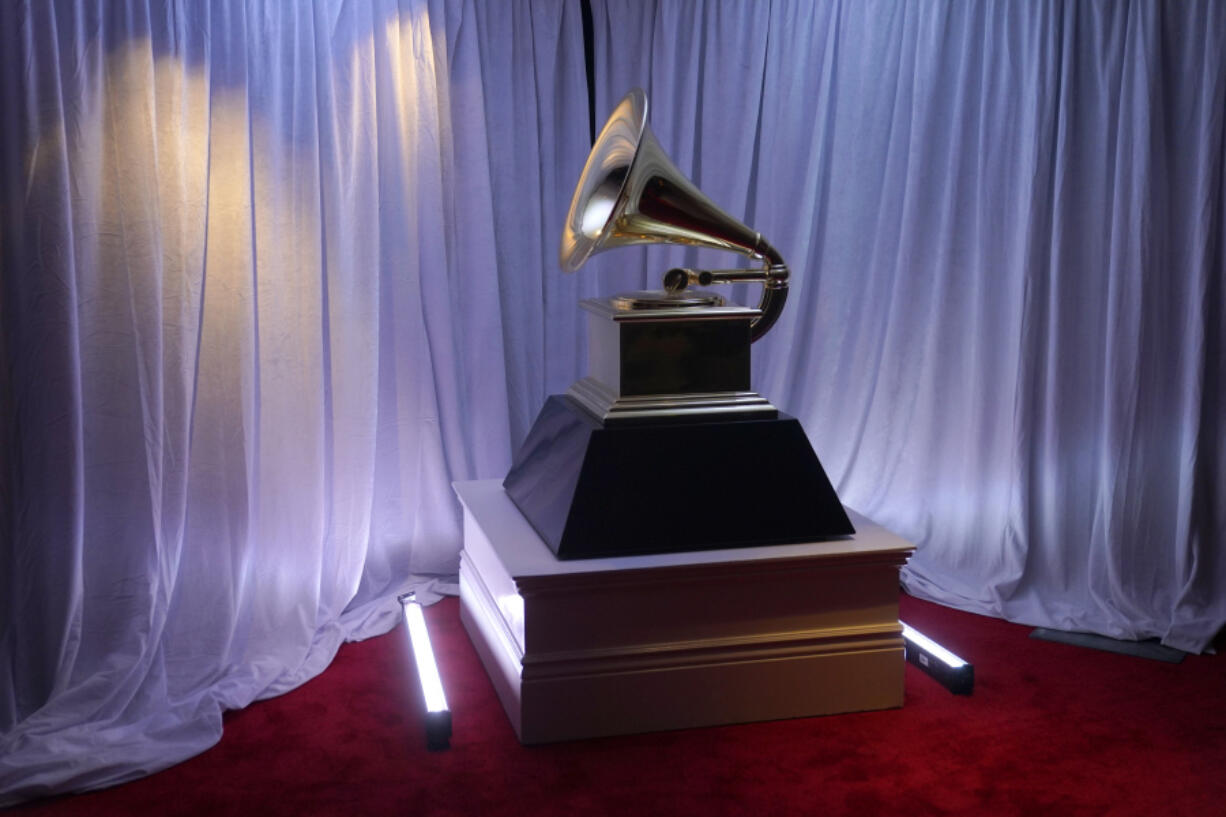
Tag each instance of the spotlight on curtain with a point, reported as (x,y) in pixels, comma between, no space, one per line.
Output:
(236,379)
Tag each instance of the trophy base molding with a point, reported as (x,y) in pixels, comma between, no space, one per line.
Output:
(598,647)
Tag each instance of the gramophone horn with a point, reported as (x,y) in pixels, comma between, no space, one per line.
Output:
(631,193)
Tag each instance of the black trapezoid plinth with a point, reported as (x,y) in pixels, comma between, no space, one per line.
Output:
(662,487)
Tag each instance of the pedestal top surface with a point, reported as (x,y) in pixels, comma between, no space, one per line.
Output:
(525,554)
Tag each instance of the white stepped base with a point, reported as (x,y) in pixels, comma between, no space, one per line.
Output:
(580,649)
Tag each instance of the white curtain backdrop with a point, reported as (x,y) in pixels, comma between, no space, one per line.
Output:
(536,107)
(274,274)
(1005,222)
(252,328)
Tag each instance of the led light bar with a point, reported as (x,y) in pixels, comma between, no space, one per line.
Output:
(952,672)
(438,716)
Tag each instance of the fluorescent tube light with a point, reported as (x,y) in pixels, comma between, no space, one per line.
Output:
(925,643)
(438,716)
(954,673)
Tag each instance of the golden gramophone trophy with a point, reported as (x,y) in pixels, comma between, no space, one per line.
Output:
(664,446)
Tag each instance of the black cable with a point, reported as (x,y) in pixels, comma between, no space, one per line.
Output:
(589,62)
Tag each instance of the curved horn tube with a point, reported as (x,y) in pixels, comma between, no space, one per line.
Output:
(774,290)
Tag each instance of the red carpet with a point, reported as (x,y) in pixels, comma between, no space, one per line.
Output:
(1050,730)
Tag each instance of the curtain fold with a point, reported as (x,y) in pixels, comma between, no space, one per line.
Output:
(1004,222)
(251,329)
(531,58)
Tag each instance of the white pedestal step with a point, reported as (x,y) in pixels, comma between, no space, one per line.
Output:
(579,649)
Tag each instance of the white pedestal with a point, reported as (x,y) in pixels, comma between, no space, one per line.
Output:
(593,647)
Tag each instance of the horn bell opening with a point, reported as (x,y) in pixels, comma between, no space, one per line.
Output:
(600,192)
